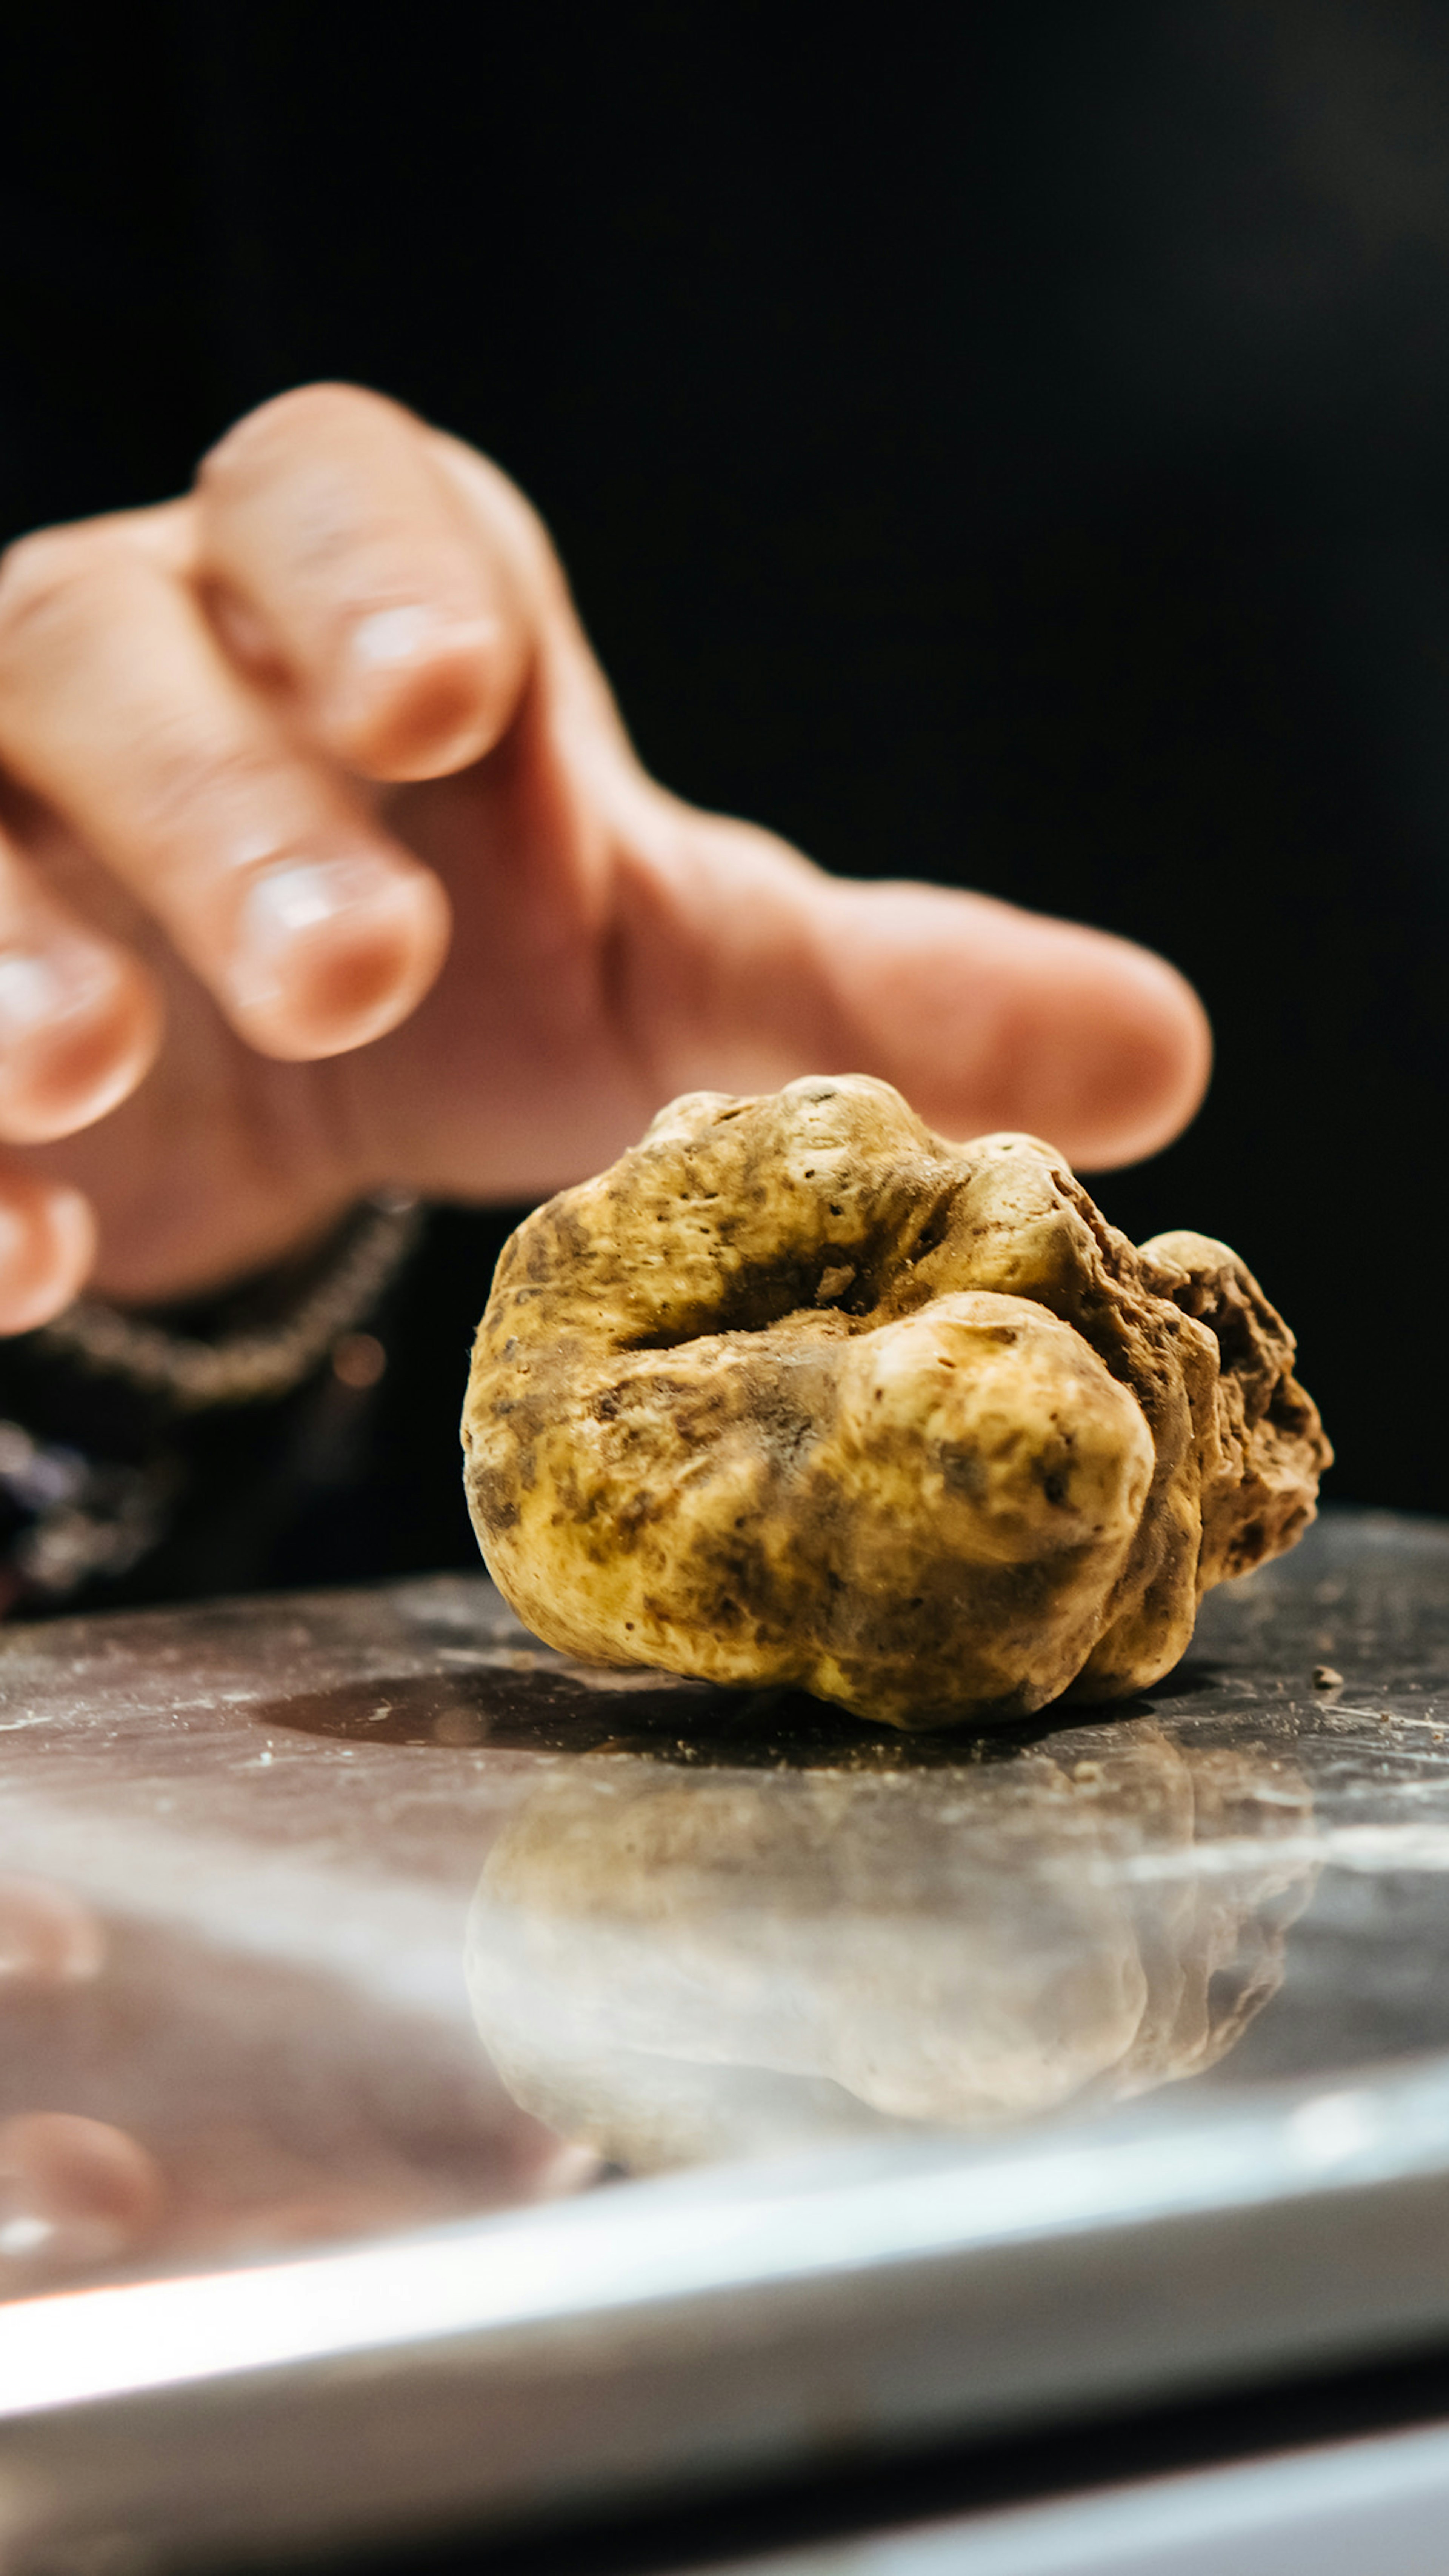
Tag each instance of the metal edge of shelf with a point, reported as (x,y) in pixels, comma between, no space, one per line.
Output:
(763,2319)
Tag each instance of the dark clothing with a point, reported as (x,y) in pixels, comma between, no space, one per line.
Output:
(1014,452)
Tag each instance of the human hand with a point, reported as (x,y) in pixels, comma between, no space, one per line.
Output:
(326,864)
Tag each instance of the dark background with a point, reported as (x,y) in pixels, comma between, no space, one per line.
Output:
(1012,450)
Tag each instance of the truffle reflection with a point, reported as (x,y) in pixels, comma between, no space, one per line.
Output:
(670,1967)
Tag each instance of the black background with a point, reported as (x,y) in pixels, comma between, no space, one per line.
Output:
(1011,449)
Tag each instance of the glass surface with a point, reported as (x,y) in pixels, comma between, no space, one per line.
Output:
(326,1917)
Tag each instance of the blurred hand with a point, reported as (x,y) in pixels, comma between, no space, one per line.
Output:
(326,863)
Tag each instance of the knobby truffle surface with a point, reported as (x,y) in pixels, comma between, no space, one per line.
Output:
(799,1393)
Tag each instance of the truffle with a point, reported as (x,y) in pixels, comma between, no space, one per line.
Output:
(798,1393)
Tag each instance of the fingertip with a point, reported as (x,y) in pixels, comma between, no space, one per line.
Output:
(418,695)
(333,953)
(1147,1075)
(80,1026)
(47,1248)
(1101,1046)
(988,1017)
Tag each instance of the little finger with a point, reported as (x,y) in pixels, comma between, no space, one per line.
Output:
(79,1019)
(47,1246)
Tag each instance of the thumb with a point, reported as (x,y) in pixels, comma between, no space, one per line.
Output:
(985,1016)
(982,1015)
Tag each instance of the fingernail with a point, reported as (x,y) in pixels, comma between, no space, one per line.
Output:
(77,1033)
(329,954)
(417,691)
(392,637)
(47,1245)
(292,902)
(40,986)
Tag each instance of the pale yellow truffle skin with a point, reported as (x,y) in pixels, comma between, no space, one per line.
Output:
(798,1393)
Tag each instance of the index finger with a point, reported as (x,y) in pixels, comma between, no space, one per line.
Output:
(339,549)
